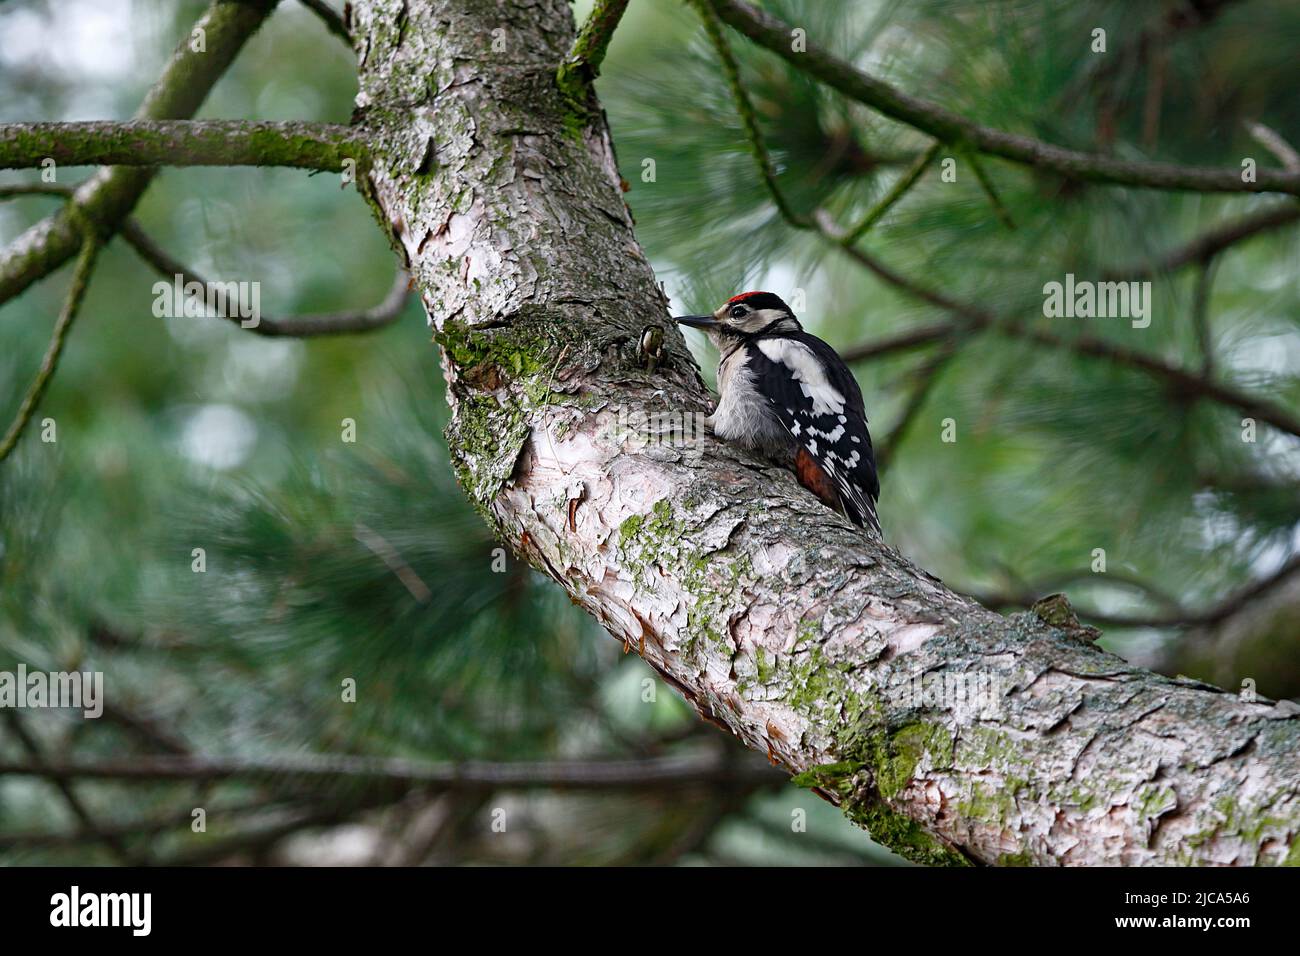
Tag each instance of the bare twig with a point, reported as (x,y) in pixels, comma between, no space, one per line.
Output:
(1271,140)
(71,306)
(300,326)
(330,17)
(1214,241)
(582,65)
(923,381)
(895,193)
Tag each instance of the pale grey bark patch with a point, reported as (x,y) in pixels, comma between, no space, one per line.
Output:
(773,616)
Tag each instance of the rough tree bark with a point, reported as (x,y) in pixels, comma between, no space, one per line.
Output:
(776,619)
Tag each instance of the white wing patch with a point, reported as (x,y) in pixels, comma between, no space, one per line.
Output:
(807,371)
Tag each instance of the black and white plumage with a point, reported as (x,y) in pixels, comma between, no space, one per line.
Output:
(787,395)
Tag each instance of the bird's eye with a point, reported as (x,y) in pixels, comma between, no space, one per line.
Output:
(738,311)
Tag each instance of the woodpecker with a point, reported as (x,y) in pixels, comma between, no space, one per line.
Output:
(786,395)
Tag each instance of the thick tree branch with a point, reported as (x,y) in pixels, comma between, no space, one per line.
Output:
(110,195)
(941,123)
(316,146)
(770,614)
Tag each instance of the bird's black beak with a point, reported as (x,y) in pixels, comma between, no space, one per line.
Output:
(697,321)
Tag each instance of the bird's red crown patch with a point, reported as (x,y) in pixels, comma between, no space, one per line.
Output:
(743,295)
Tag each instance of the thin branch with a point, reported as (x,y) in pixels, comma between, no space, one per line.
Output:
(896,192)
(1182,380)
(1217,612)
(330,17)
(262,835)
(53,839)
(972,318)
(986,184)
(653,772)
(392,558)
(1272,140)
(1086,346)
(61,781)
(924,380)
(1201,316)
(1173,617)
(582,65)
(1247,483)
(302,326)
(971,315)
(148,731)
(1023,594)
(899,342)
(748,118)
(71,306)
(1214,241)
(1058,582)
(942,123)
(112,193)
(317,146)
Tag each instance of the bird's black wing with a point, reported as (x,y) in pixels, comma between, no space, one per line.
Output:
(816,397)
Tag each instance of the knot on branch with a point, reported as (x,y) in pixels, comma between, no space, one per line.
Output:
(1055,610)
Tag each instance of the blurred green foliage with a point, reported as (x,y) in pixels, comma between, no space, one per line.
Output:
(328,560)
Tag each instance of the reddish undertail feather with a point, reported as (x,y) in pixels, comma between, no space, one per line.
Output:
(813,477)
(816,479)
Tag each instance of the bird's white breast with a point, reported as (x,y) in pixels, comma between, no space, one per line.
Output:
(742,414)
